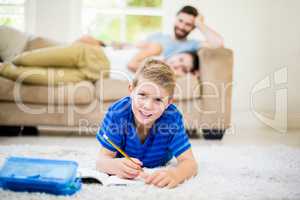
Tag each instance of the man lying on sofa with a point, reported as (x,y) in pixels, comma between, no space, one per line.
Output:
(76,62)
(59,64)
(46,62)
(176,50)
(187,19)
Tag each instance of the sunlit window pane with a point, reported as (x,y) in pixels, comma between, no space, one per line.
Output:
(120,20)
(12,13)
(103,4)
(139,27)
(105,27)
(144,3)
(12,1)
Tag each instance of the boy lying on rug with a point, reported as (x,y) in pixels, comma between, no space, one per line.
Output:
(149,128)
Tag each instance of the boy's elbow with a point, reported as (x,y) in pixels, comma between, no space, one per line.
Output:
(195,168)
(101,160)
(99,164)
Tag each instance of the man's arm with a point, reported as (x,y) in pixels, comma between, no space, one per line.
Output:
(213,39)
(147,49)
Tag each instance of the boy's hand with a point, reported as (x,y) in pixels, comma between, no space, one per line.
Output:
(125,168)
(162,178)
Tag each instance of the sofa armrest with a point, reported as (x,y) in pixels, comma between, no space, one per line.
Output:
(12,42)
(216,87)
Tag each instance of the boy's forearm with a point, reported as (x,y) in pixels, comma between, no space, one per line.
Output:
(105,164)
(146,50)
(185,170)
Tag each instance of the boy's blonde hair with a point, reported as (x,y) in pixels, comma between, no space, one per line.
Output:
(157,72)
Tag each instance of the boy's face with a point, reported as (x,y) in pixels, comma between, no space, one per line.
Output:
(149,101)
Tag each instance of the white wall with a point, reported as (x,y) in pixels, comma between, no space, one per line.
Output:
(264,35)
(285,45)
(56,19)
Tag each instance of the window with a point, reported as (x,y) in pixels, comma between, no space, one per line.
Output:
(121,20)
(12,13)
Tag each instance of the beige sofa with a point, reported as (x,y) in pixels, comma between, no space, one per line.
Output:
(205,103)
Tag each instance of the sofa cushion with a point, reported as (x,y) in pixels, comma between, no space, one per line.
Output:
(187,88)
(79,93)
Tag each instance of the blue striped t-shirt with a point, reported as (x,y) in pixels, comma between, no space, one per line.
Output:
(166,138)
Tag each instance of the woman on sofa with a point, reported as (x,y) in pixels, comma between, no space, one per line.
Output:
(181,62)
(84,60)
(77,62)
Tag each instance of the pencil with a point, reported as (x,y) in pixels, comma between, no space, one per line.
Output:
(119,149)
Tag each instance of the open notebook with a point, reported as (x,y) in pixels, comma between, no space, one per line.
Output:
(93,176)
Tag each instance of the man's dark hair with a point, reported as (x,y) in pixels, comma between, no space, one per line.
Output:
(189,10)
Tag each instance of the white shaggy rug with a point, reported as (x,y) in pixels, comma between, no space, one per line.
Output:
(237,172)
